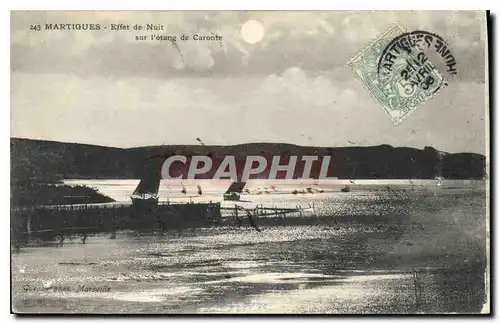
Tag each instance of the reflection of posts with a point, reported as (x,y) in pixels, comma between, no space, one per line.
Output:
(16,237)
(113,222)
(418,291)
(236,218)
(251,220)
(61,239)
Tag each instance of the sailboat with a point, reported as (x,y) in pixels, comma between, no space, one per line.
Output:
(146,193)
(234,191)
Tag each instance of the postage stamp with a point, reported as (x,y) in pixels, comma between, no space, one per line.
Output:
(397,73)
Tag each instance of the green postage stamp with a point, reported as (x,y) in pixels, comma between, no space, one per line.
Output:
(397,72)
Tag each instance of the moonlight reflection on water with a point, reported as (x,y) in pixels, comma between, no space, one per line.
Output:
(343,266)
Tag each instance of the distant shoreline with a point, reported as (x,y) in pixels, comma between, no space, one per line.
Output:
(419,182)
(36,160)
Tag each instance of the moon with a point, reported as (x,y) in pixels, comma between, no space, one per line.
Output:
(252,31)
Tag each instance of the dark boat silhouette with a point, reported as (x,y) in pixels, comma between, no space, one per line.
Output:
(148,213)
(233,193)
(346,189)
(145,196)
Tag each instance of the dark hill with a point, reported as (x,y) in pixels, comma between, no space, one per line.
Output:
(42,161)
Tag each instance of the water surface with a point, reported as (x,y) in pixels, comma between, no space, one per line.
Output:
(336,267)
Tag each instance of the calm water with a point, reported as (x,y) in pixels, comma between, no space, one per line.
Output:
(342,267)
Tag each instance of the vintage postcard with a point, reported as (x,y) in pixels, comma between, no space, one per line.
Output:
(250,162)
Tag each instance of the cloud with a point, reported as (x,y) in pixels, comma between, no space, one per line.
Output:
(295,106)
(196,55)
(124,112)
(314,41)
(294,85)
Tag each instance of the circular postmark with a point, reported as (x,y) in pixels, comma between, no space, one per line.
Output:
(399,69)
(417,41)
(406,73)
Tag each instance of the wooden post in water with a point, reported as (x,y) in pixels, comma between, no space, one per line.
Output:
(113,222)
(28,226)
(418,291)
(237,220)
(61,239)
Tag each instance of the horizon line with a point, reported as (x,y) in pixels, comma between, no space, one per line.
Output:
(243,143)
